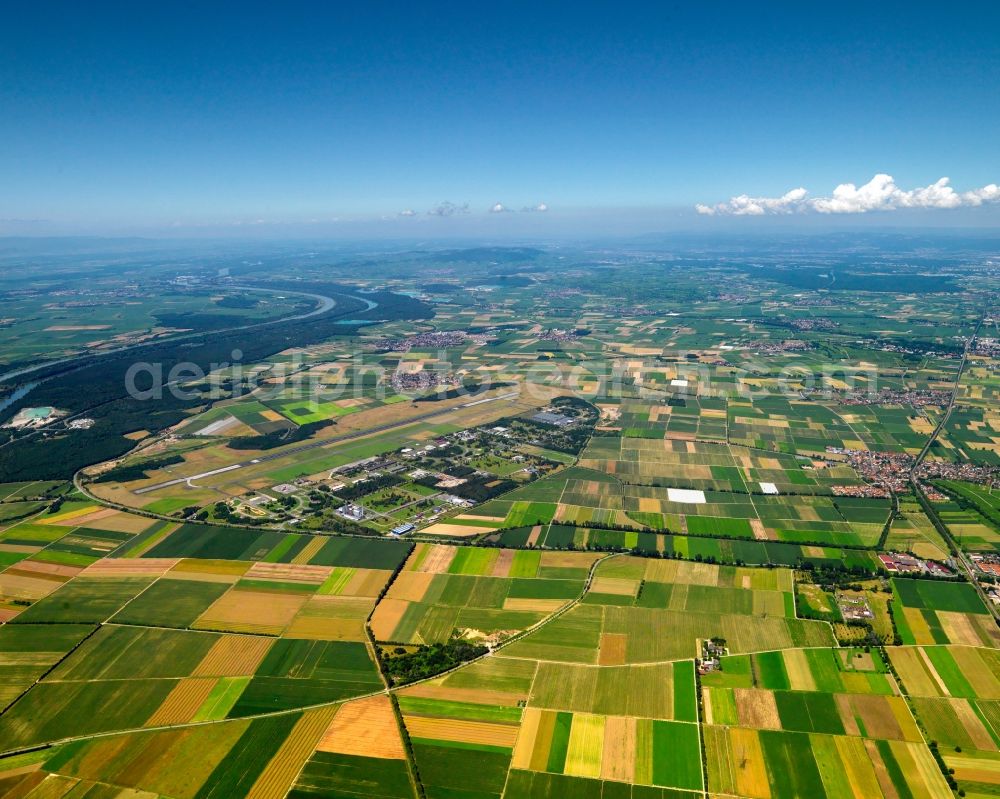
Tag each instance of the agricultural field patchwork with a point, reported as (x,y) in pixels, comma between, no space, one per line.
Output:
(512,524)
(955,693)
(929,612)
(476,594)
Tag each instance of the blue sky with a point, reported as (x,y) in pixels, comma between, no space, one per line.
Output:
(142,116)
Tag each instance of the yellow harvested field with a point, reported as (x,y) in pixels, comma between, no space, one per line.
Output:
(411,586)
(501,568)
(38,568)
(800,676)
(977,671)
(251,611)
(233,656)
(570,560)
(130,567)
(973,725)
(331,618)
(618,586)
(649,505)
(282,769)
(618,758)
(289,572)
(388,613)
(859,769)
(15,584)
(182,702)
(974,769)
(917,764)
(454,530)
(367,583)
(958,627)
(749,771)
(461,730)
(365,727)
(67,517)
(612,649)
(912,670)
(918,625)
(536,605)
(118,521)
(227,571)
(309,551)
(542,741)
(432,558)
(933,672)
(756,708)
(524,747)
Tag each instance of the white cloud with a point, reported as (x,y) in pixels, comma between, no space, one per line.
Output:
(540,208)
(745,205)
(987,194)
(498,208)
(879,194)
(408,212)
(449,209)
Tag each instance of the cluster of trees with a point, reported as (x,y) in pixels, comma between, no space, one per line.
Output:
(369,486)
(404,666)
(469,388)
(136,471)
(278,438)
